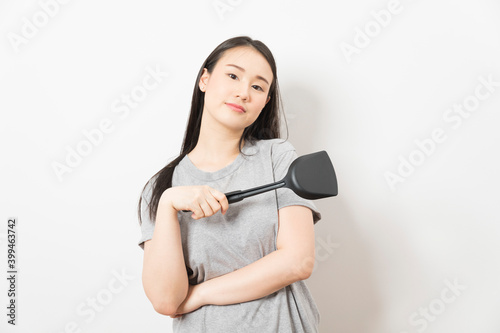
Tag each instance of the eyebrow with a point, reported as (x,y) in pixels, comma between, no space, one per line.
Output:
(242,69)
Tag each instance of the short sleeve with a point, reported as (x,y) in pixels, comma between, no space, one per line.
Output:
(147,226)
(283,154)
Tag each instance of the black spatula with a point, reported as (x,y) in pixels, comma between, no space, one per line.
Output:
(310,176)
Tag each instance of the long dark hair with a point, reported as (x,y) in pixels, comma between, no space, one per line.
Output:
(266,126)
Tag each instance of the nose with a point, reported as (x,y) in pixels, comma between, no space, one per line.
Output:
(242,92)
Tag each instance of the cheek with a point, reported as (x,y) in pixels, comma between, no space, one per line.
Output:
(260,101)
(215,93)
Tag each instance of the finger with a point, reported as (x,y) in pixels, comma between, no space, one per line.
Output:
(202,209)
(200,206)
(214,204)
(222,199)
(207,209)
(197,212)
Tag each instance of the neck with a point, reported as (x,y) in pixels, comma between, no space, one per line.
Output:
(216,142)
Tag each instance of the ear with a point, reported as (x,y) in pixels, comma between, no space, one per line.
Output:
(204,79)
(268,98)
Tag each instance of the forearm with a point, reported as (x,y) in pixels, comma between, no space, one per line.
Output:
(256,280)
(164,272)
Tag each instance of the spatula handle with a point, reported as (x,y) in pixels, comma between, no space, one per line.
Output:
(234,196)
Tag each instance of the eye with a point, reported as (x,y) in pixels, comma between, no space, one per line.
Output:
(256,87)
(232,76)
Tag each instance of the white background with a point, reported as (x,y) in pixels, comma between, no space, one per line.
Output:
(395,250)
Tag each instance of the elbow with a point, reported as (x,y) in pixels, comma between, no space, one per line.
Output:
(304,267)
(165,302)
(304,274)
(166,308)
(167,305)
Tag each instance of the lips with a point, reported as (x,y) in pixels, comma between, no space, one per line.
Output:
(236,107)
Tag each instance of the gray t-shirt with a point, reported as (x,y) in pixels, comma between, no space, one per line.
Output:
(220,244)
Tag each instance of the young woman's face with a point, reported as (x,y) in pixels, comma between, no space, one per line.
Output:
(237,89)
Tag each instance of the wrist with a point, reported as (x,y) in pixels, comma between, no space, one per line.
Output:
(165,201)
(166,211)
(201,294)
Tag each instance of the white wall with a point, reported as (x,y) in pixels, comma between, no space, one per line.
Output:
(386,254)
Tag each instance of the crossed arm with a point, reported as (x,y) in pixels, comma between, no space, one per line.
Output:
(292,261)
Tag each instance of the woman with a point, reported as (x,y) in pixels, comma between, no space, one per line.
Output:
(240,270)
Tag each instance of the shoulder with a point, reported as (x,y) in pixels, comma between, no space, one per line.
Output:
(277,151)
(147,190)
(276,146)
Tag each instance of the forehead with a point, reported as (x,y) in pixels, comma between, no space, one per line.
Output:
(248,58)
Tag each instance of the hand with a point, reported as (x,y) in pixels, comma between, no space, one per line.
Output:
(193,301)
(202,200)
